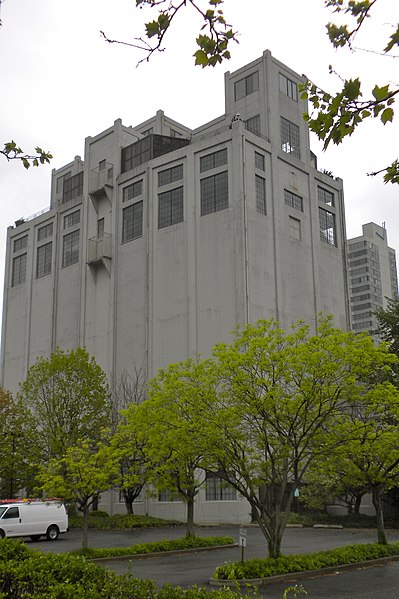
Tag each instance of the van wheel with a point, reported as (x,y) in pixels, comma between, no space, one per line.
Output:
(2,534)
(52,533)
(35,537)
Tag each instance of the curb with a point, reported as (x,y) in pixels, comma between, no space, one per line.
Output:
(294,576)
(160,553)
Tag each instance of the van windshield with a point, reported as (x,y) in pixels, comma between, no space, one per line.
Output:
(2,510)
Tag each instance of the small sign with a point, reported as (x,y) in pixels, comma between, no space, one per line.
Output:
(242,540)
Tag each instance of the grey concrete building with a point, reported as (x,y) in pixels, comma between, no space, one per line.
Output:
(372,275)
(163,238)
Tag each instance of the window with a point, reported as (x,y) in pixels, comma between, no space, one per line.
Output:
(133,191)
(217,489)
(147,132)
(213,160)
(253,125)
(132,222)
(293,200)
(174,133)
(72,187)
(259,161)
(295,228)
(70,250)
(166,495)
(18,270)
(260,186)
(102,165)
(45,231)
(60,182)
(246,86)
(72,219)
(214,193)
(135,154)
(170,175)
(43,264)
(327,227)
(100,228)
(12,512)
(288,87)
(21,243)
(325,196)
(170,207)
(290,138)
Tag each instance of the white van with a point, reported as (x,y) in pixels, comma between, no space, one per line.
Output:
(33,518)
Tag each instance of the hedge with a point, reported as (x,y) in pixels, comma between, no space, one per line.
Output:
(263,568)
(120,522)
(27,573)
(155,547)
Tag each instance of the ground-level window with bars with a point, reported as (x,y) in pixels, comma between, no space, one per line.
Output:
(43,263)
(132,222)
(260,185)
(217,489)
(214,193)
(70,249)
(18,270)
(170,207)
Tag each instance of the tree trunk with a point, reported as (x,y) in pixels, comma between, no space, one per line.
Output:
(190,532)
(274,544)
(85,510)
(356,507)
(379,514)
(129,506)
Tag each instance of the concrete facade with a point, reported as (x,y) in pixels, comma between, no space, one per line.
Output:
(163,239)
(372,275)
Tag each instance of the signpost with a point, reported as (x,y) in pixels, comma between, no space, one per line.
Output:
(242,541)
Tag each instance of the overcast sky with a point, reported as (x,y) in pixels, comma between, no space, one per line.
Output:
(61,82)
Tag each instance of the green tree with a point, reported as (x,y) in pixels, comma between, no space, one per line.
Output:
(179,436)
(366,455)
(388,324)
(129,444)
(278,395)
(84,471)
(69,399)
(17,446)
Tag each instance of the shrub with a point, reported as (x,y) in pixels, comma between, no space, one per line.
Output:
(119,522)
(263,568)
(39,575)
(155,547)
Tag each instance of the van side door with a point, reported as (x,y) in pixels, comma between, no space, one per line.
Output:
(11,522)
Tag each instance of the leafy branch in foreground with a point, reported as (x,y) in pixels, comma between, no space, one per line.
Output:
(333,117)
(213,45)
(12,152)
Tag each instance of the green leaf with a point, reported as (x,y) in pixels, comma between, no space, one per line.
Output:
(387,115)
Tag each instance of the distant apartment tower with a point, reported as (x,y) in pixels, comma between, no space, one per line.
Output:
(372,275)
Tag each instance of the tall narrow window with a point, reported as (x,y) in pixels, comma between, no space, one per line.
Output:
(132,222)
(100,228)
(214,193)
(21,243)
(260,185)
(72,187)
(295,228)
(290,138)
(170,207)
(288,87)
(328,232)
(259,161)
(70,249)
(43,264)
(18,270)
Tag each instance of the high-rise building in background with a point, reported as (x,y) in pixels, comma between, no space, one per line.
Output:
(163,239)
(372,276)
